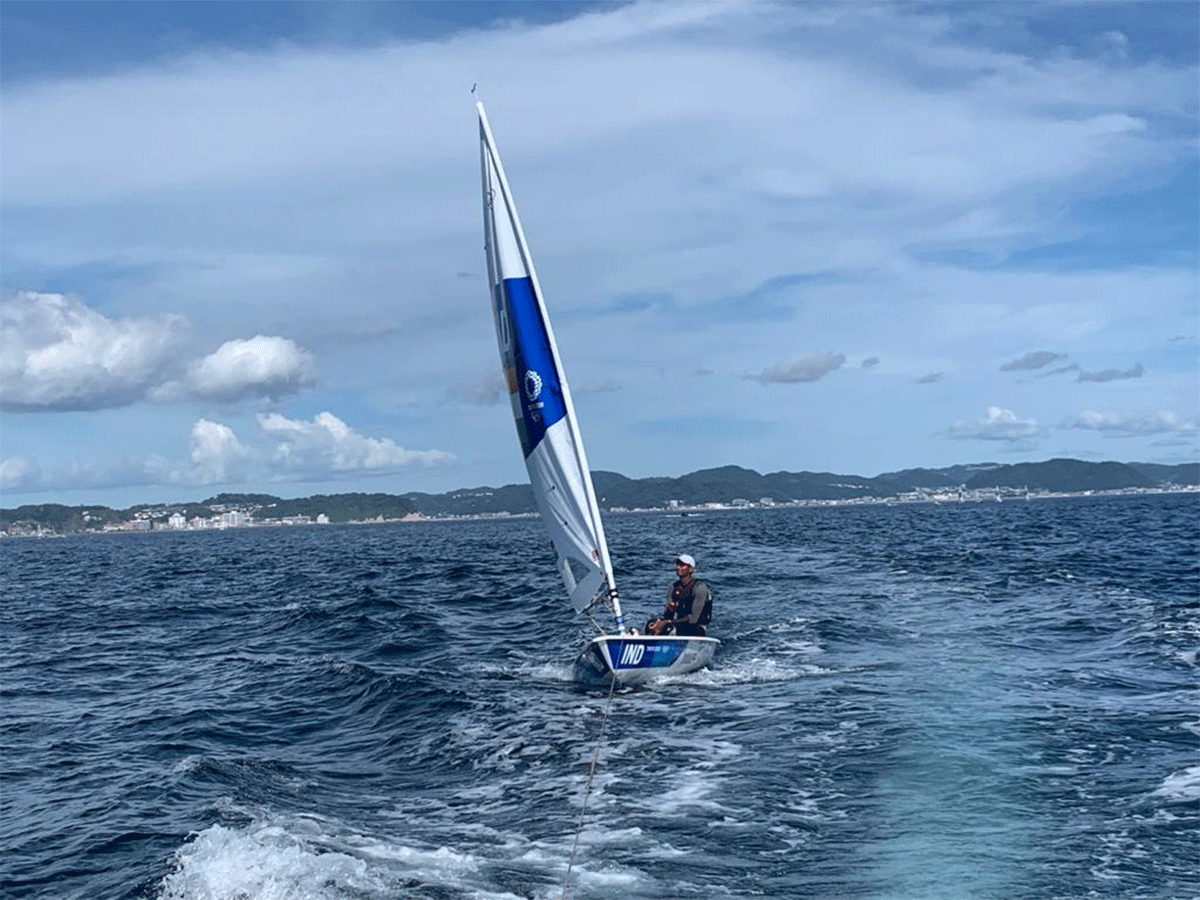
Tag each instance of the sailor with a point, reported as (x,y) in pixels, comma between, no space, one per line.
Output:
(689,603)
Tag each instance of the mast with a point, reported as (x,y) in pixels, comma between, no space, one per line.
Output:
(585,475)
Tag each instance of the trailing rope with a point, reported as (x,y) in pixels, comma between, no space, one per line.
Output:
(587,791)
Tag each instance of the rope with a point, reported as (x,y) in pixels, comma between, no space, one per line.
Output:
(587,791)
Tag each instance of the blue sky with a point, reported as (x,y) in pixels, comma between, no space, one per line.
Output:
(241,243)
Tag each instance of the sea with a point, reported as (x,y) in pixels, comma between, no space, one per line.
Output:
(966,701)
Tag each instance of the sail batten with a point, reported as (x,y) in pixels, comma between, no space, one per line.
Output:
(540,395)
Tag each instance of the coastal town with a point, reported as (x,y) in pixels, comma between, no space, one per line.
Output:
(172,518)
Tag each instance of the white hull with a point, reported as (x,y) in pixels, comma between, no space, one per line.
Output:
(636,659)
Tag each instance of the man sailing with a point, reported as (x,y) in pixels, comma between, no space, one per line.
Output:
(689,603)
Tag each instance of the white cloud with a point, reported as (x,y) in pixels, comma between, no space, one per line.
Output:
(329,445)
(998,424)
(215,449)
(56,353)
(59,354)
(261,366)
(324,448)
(801,369)
(1124,425)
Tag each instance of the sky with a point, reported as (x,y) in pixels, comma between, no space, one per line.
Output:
(241,244)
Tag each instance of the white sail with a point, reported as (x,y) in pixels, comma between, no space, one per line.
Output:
(541,399)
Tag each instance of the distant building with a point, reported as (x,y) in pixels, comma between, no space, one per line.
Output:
(177,520)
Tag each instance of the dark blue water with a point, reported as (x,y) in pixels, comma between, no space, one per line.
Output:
(961,701)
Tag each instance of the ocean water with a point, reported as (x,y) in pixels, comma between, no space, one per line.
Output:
(964,701)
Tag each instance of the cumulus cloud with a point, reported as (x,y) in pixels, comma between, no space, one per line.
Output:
(1119,425)
(215,449)
(998,424)
(320,449)
(328,445)
(801,369)
(261,366)
(56,353)
(1036,359)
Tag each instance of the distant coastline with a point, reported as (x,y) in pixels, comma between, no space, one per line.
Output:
(708,490)
(709,508)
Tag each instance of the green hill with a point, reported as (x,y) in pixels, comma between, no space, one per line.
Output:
(724,484)
(1063,475)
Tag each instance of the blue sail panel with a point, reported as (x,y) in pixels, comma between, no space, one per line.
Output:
(540,396)
(532,372)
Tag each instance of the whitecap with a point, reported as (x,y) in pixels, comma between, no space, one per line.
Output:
(264,862)
(309,858)
(750,671)
(1183,785)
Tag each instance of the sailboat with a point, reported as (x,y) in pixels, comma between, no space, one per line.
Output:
(554,456)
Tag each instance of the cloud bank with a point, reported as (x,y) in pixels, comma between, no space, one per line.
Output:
(282,451)
(327,444)
(57,354)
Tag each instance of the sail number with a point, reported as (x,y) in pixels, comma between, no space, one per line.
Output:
(631,654)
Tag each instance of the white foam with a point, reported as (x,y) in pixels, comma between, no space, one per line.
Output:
(540,671)
(772,628)
(306,858)
(1183,785)
(187,764)
(263,862)
(751,671)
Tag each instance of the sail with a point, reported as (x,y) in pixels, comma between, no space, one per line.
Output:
(541,399)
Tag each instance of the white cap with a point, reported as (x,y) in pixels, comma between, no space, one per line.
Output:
(686,560)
